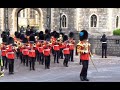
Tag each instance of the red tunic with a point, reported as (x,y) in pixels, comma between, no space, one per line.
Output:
(71,46)
(32,53)
(56,47)
(40,49)
(25,51)
(46,52)
(82,48)
(10,55)
(4,52)
(66,51)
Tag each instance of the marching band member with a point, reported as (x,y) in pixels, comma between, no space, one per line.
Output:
(61,45)
(40,50)
(56,49)
(10,57)
(83,48)
(46,53)
(71,45)
(32,53)
(3,54)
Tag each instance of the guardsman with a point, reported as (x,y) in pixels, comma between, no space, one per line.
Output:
(10,56)
(56,49)
(83,48)
(3,54)
(32,57)
(61,45)
(46,53)
(71,45)
(40,50)
(1,66)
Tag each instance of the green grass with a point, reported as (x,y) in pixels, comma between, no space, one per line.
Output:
(116,32)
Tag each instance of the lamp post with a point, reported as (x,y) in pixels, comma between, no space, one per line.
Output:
(60,28)
(6,19)
(49,18)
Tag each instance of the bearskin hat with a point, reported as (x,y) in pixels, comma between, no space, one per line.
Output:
(83,35)
(32,38)
(46,31)
(25,40)
(22,36)
(71,34)
(10,40)
(4,38)
(16,33)
(65,38)
(56,35)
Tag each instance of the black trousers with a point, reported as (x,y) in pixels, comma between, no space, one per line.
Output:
(61,53)
(21,57)
(41,58)
(84,68)
(11,65)
(32,62)
(104,50)
(66,59)
(56,56)
(71,55)
(47,61)
(5,61)
(37,55)
(25,60)
(52,51)
(18,53)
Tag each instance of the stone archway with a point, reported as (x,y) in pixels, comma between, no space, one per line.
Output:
(14,18)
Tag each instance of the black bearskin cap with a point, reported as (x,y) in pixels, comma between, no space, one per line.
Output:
(22,36)
(41,37)
(56,35)
(10,40)
(25,40)
(71,34)
(46,31)
(32,38)
(65,38)
(5,38)
(83,35)
(41,32)
(16,33)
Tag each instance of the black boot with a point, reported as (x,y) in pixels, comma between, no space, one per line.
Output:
(81,78)
(86,79)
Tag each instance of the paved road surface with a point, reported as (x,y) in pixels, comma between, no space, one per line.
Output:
(108,71)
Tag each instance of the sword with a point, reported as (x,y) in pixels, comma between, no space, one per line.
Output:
(94,65)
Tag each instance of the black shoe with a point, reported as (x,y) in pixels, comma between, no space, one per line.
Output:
(66,65)
(105,57)
(85,79)
(33,69)
(48,67)
(81,78)
(57,62)
(45,67)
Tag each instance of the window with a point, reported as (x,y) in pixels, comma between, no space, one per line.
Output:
(117,20)
(32,13)
(93,21)
(23,12)
(19,14)
(63,21)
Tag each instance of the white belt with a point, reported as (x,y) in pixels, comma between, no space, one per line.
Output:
(104,42)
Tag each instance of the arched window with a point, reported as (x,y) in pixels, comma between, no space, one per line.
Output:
(23,12)
(63,21)
(93,21)
(117,20)
(32,13)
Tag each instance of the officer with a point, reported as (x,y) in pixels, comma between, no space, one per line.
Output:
(104,45)
(83,48)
